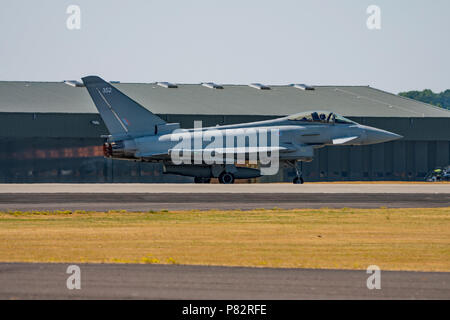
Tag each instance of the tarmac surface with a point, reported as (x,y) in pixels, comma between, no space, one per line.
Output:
(135,281)
(137,197)
(219,188)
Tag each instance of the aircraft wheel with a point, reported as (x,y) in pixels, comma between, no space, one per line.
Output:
(298,180)
(198,180)
(226,178)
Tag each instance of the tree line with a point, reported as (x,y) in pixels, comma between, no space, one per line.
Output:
(441,99)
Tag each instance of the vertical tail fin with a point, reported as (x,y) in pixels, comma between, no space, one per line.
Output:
(121,114)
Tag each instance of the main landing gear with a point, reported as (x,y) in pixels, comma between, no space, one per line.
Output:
(297,165)
(226,178)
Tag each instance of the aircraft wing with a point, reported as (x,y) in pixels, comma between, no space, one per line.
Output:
(235,151)
(217,151)
(152,154)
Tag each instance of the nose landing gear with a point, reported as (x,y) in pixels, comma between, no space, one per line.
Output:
(298,171)
(298,180)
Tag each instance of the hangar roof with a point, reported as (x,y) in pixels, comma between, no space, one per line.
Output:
(354,101)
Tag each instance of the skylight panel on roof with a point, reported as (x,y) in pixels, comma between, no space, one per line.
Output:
(303,86)
(259,86)
(74,83)
(167,85)
(212,85)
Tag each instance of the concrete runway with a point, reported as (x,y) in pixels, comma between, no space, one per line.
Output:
(223,201)
(134,281)
(137,197)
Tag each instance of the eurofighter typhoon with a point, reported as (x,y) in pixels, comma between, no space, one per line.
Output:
(221,152)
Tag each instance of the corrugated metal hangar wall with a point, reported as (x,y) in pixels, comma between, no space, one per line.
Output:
(38,144)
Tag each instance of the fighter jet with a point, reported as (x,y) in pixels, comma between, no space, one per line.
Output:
(222,152)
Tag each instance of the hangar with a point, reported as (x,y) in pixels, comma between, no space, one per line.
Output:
(51,131)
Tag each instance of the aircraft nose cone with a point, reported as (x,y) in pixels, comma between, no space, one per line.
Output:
(378,136)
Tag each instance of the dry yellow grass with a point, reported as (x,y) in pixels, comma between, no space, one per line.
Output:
(380,182)
(244,181)
(393,239)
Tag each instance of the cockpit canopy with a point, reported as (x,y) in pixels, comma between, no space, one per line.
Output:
(320,117)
